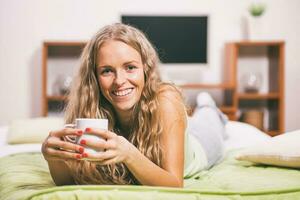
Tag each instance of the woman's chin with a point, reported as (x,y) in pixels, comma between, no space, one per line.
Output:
(123,107)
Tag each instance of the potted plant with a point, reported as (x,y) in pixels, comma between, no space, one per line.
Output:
(257,9)
(255,21)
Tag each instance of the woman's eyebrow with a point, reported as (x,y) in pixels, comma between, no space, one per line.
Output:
(125,63)
(130,62)
(103,66)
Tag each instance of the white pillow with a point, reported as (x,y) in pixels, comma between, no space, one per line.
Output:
(243,135)
(3,135)
(33,130)
(19,148)
(282,150)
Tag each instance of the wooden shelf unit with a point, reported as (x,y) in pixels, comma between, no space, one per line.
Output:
(57,58)
(267,56)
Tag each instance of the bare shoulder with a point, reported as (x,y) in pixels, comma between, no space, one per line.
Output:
(171,102)
(169,91)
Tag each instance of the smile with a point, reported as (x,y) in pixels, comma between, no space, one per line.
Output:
(121,93)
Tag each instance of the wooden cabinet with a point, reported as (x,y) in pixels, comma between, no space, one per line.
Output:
(263,61)
(60,61)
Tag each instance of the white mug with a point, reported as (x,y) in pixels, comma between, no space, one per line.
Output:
(83,123)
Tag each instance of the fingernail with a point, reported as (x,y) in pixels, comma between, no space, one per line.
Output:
(88,129)
(78,156)
(84,155)
(81,149)
(83,142)
(80,132)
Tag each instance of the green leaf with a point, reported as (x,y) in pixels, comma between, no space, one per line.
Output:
(257,9)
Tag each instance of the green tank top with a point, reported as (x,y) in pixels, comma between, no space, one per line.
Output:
(195,158)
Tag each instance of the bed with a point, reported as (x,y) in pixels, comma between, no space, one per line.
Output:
(24,175)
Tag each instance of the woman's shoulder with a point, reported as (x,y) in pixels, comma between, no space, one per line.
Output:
(169,90)
(172,108)
(170,99)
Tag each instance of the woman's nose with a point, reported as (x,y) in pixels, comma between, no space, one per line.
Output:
(120,78)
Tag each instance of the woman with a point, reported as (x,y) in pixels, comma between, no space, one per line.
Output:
(118,80)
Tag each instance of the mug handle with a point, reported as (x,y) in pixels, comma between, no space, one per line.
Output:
(68,138)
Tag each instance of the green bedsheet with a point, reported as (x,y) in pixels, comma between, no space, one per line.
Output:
(26,176)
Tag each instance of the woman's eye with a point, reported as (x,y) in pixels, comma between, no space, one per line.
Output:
(105,71)
(131,67)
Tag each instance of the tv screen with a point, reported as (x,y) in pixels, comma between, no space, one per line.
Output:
(177,39)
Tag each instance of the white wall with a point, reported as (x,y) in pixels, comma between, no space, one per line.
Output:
(24,25)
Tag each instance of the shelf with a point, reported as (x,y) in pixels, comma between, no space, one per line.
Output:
(228,109)
(272,133)
(258,96)
(259,43)
(224,109)
(206,86)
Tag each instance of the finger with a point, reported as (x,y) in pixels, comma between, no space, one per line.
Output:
(101,133)
(65,132)
(64,145)
(99,156)
(59,154)
(98,144)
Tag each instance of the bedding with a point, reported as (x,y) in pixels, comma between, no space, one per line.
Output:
(243,135)
(282,150)
(26,176)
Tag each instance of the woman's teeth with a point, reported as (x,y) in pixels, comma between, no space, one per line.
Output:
(122,92)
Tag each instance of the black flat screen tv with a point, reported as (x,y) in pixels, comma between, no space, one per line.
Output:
(177,39)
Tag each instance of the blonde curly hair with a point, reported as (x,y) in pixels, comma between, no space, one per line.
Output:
(87,101)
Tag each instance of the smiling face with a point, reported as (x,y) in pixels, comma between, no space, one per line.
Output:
(120,75)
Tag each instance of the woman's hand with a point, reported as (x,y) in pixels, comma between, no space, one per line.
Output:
(56,147)
(116,148)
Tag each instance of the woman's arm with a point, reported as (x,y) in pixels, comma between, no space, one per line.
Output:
(60,172)
(173,119)
(56,151)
